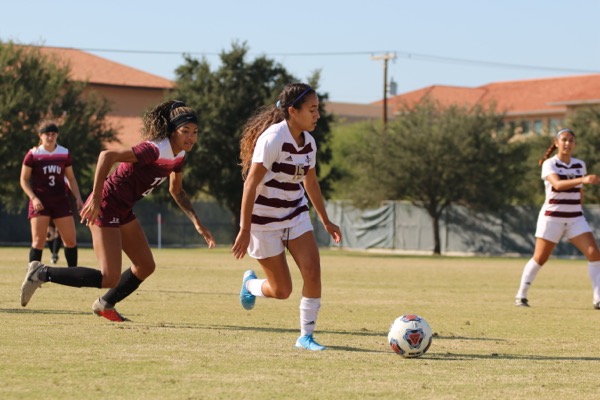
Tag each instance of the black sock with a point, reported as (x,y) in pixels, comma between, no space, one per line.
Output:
(50,244)
(71,256)
(35,255)
(127,285)
(56,245)
(75,277)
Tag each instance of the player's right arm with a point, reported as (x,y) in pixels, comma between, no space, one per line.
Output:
(106,160)
(255,176)
(26,185)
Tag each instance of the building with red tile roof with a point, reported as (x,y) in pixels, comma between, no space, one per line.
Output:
(129,91)
(533,106)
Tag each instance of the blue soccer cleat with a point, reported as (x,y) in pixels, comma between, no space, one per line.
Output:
(247,299)
(307,342)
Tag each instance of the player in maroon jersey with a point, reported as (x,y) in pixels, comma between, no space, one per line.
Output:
(170,130)
(45,173)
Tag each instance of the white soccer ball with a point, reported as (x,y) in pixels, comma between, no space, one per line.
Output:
(410,336)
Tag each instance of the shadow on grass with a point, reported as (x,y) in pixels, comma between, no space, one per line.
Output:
(38,311)
(497,356)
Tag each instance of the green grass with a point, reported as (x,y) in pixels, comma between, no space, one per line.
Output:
(190,339)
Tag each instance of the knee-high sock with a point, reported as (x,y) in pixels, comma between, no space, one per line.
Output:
(56,245)
(71,256)
(594,270)
(309,308)
(35,254)
(50,244)
(75,277)
(127,285)
(529,273)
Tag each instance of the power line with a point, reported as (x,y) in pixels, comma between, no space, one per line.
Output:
(403,54)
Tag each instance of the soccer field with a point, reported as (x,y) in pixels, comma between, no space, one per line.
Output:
(189,338)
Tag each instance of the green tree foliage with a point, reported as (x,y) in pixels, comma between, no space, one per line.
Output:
(435,157)
(224,99)
(34,87)
(585,122)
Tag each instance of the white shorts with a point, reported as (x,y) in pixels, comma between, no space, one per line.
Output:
(553,229)
(265,244)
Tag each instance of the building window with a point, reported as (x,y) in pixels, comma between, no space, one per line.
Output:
(538,126)
(553,125)
(526,125)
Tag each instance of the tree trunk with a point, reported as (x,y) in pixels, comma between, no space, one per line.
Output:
(437,247)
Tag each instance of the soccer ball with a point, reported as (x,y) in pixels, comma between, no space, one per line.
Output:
(410,336)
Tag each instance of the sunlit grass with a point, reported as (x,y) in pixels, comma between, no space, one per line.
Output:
(190,339)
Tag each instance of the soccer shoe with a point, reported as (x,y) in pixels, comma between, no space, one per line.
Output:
(247,299)
(307,342)
(54,259)
(597,305)
(31,282)
(110,313)
(521,302)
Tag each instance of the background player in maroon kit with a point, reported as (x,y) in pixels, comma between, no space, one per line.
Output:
(45,173)
(170,129)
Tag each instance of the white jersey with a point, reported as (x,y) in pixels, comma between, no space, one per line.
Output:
(563,203)
(280,197)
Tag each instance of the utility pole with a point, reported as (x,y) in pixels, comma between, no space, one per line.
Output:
(385,57)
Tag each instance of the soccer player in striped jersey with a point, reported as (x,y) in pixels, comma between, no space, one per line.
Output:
(562,214)
(170,130)
(46,171)
(278,157)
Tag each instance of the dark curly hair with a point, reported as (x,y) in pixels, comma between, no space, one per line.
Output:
(158,121)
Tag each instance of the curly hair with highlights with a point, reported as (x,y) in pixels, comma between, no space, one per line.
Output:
(156,121)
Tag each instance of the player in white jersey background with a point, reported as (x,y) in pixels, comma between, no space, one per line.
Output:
(562,214)
(278,158)
(47,178)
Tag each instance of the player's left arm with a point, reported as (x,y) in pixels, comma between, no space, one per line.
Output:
(184,202)
(313,189)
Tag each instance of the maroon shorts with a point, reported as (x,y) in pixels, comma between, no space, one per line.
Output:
(113,217)
(56,208)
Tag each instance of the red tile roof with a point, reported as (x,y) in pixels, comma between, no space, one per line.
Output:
(97,70)
(532,96)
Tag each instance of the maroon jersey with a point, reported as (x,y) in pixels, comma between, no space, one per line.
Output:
(48,172)
(132,181)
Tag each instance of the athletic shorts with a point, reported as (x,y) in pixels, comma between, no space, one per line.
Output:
(53,209)
(553,229)
(113,217)
(265,244)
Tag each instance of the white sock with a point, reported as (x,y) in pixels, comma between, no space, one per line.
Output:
(309,308)
(594,270)
(254,286)
(529,273)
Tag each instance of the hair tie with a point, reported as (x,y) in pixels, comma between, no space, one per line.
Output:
(49,128)
(565,130)
(278,104)
(301,95)
(177,104)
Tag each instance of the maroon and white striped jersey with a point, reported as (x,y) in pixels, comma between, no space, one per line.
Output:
(132,181)
(280,196)
(563,203)
(48,172)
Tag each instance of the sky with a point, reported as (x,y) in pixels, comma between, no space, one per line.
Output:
(465,43)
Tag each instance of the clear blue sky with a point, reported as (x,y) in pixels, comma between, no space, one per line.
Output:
(445,42)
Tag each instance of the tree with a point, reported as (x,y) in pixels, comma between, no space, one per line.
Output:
(585,122)
(224,99)
(34,87)
(435,157)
